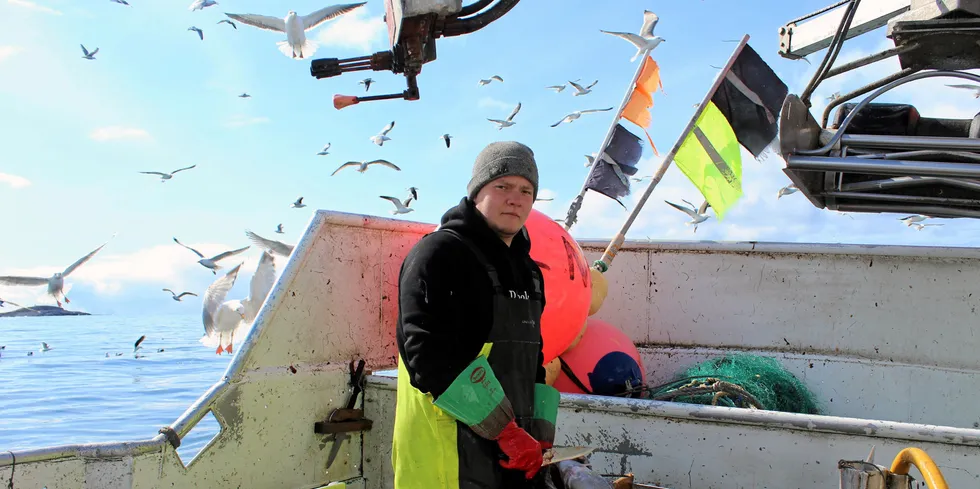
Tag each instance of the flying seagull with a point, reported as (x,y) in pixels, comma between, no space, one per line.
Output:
(367,83)
(414,192)
(200,4)
(279,229)
(382,136)
(223,317)
(298,204)
(273,246)
(645,41)
(910,220)
(167,176)
(56,282)
(323,152)
(178,297)
(446,138)
(199,32)
(122,2)
(582,91)
(697,216)
(510,119)
(136,346)
(787,190)
(295,26)
(492,78)
(362,166)
(557,88)
(400,207)
(244,95)
(921,226)
(88,55)
(226,21)
(974,88)
(212,263)
(578,113)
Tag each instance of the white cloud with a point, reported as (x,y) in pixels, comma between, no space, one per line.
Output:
(242,121)
(14,180)
(112,133)
(8,51)
(34,6)
(490,102)
(354,30)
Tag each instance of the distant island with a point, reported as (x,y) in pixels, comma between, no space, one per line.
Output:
(41,311)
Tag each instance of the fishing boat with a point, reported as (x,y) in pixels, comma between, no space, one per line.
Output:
(882,335)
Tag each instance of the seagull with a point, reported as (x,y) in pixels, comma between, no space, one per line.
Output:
(640,179)
(362,166)
(446,138)
(367,83)
(382,136)
(136,346)
(46,347)
(235,316)
(177,297)
(88,55)
(510,119)
(279,229)
(298,204)
(200,4)
(12,303)
(414,192)
(123,2)
(578,113)
(645,41)
(273,246)
(910,220)
(244,95)
(920,226)
(199,32)
(557,88)
(400,207)
(833,96)
(295,27)
(166,176)
(582,91)
(323,152)
(787,190)
(211,263)
(226,21)
(55,283)
(492,78)
(589,159)
(974,88)
(697,216)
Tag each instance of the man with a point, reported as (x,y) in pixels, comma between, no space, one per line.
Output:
(473,410)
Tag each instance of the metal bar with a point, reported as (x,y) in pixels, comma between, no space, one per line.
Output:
(798,40)
(473,8)
(868,60)
(917,142)
(905,182)
(931,211)
(861,91)
(847,120)
(472,24)
(573,209)
(899,155)
(898,167)
(905,198)
(617,241)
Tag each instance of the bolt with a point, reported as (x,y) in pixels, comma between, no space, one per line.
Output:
(782,31)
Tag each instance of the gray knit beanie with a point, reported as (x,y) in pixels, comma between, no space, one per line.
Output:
(500,159)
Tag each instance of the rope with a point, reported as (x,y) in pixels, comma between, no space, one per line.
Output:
(171,436)
(720,388)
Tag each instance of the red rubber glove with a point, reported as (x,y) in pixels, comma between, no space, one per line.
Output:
(546,445)
(522,450)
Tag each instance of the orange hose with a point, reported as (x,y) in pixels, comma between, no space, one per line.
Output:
(914,456)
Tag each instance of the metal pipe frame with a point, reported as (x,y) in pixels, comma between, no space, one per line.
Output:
(900,155)
(861,91)
(904,198)
(888,53)
(852,164)
(931,211)
(874,141)
(908,182)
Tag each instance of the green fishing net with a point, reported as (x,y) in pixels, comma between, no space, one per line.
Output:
(739,380)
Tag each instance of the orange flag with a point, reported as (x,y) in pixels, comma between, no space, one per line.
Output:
(637,109)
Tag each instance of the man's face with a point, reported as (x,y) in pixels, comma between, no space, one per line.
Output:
(506,204)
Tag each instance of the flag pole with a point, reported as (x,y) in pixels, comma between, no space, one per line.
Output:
(570,218)
(607,257)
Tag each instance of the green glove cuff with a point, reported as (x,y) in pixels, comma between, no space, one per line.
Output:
(477,399)
(546,400)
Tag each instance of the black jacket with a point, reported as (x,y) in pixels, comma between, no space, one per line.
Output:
(445,298)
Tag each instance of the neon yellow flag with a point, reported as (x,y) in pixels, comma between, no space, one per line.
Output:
(711,158)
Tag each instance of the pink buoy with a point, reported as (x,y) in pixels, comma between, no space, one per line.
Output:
(605,361)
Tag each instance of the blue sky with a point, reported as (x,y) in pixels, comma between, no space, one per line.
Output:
(75,133)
